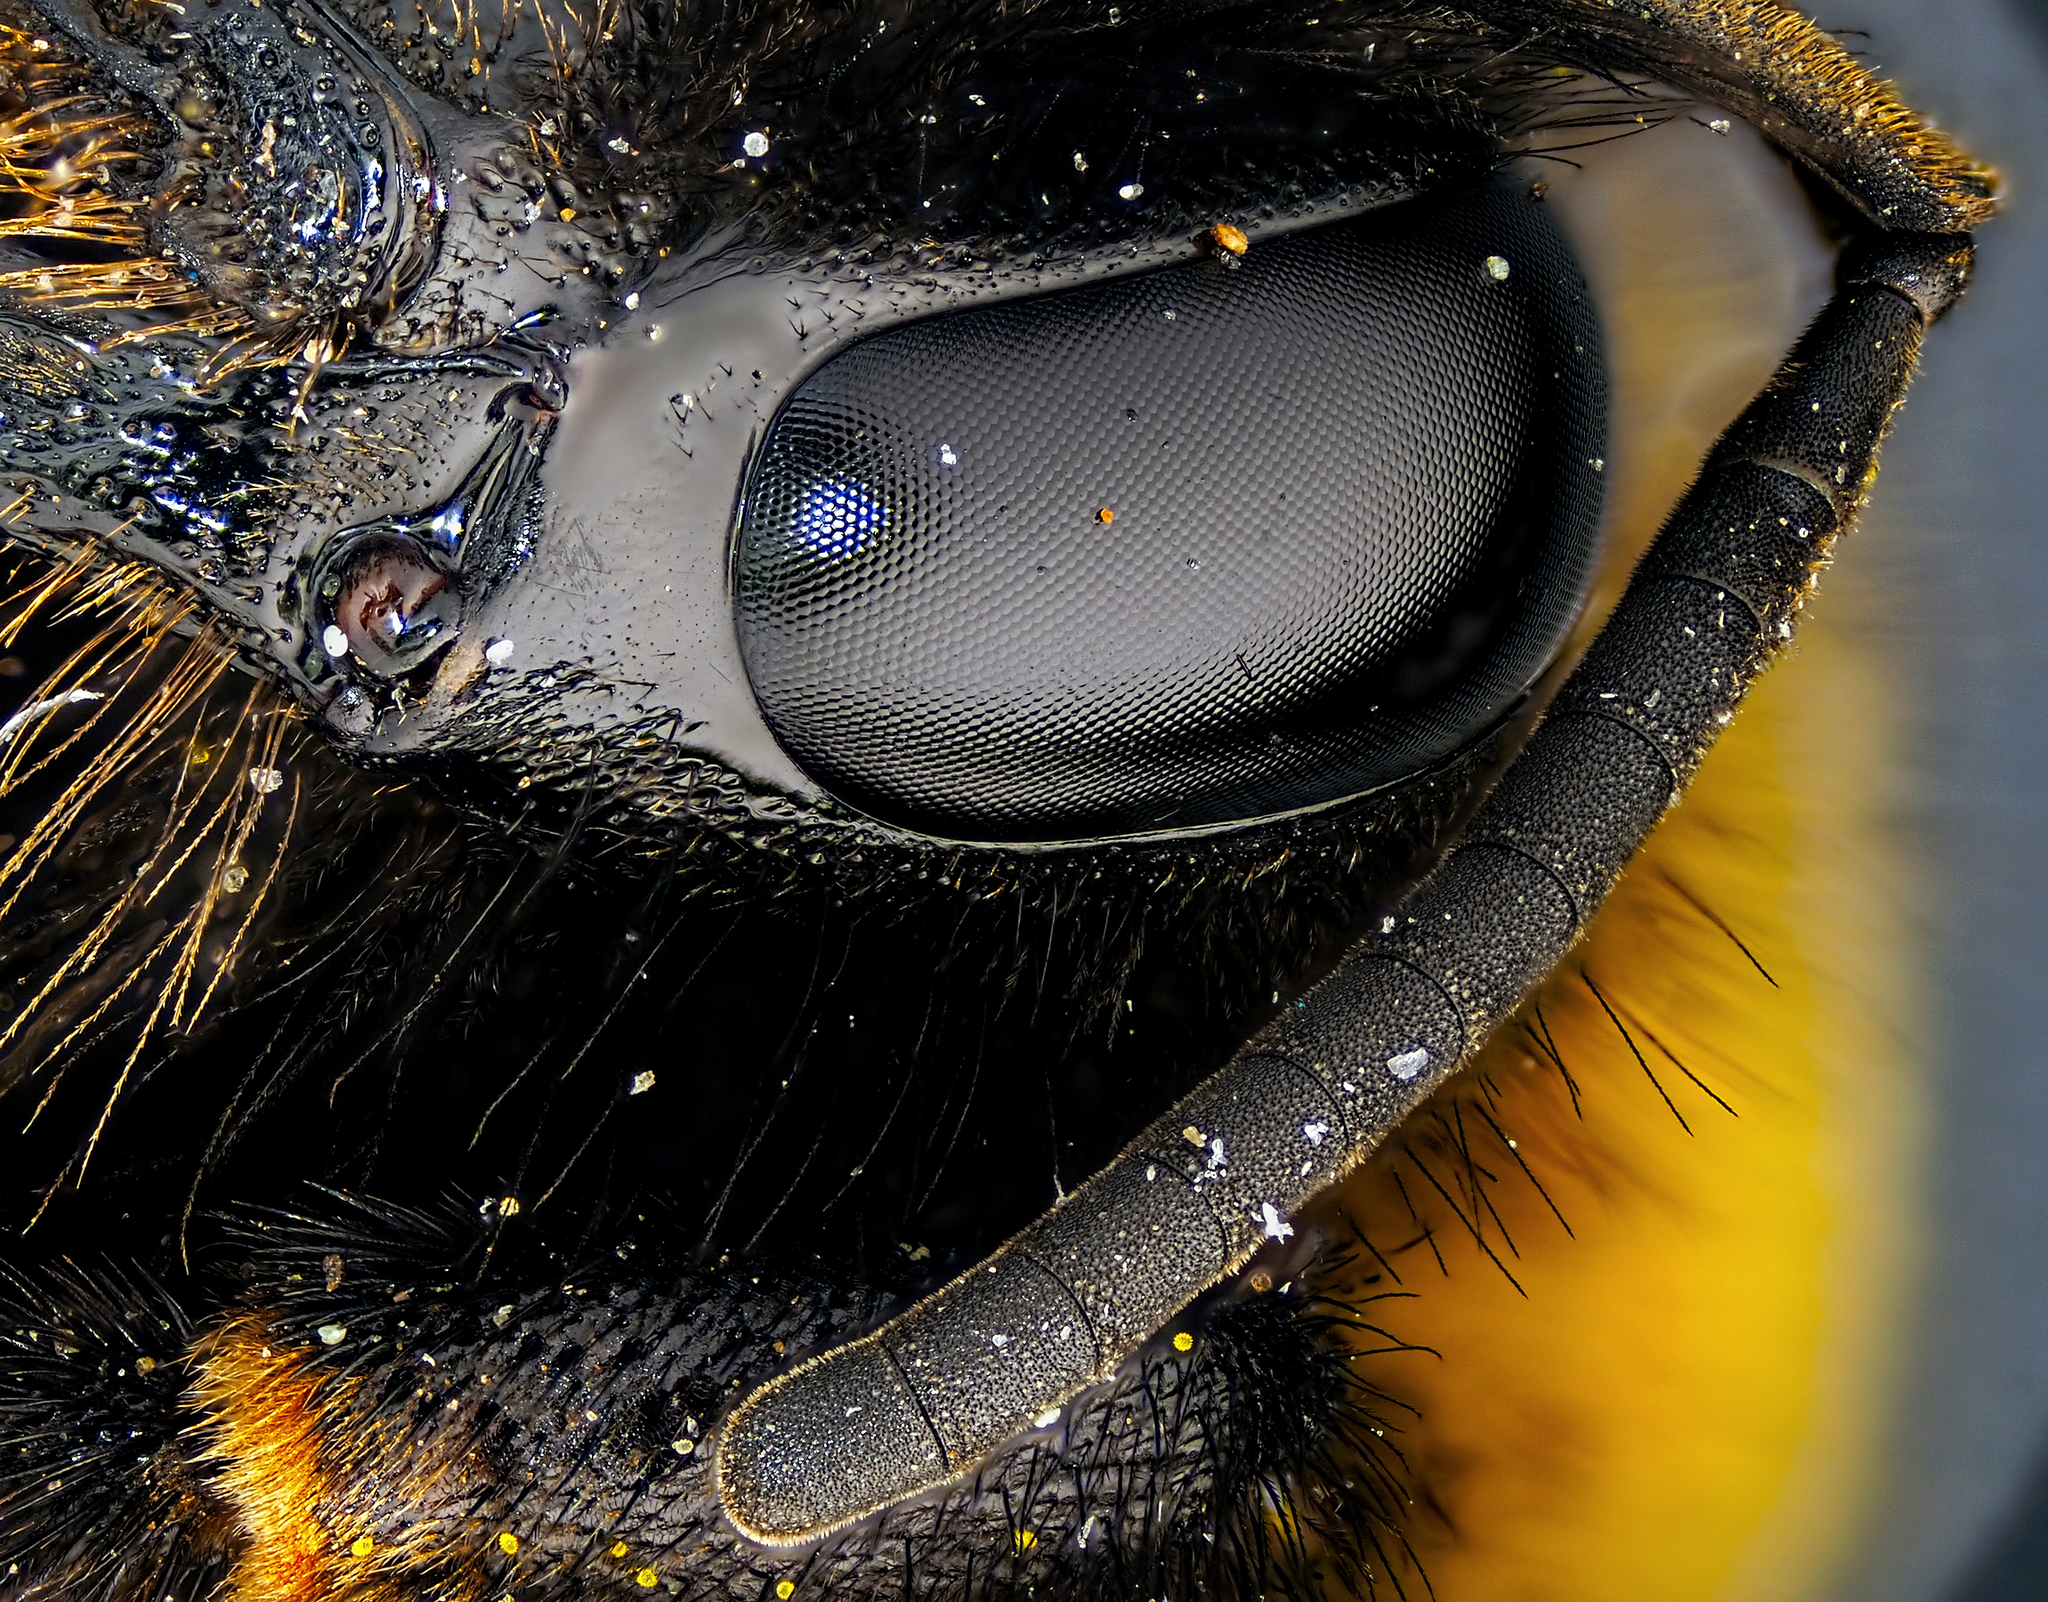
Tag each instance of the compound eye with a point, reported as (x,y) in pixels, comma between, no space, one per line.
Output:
(1205,545)
(389,605)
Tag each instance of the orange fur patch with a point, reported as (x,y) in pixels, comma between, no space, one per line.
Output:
(265,1413)
(332,1506)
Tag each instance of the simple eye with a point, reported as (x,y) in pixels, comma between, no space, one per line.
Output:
(1216,542)
(390,604)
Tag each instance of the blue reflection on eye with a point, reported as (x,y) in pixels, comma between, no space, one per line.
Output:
(838,519)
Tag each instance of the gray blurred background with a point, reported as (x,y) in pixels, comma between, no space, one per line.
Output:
(1958,546)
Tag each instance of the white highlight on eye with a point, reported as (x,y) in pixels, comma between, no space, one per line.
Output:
(1409,1063)
(838,518)
(1277,1228)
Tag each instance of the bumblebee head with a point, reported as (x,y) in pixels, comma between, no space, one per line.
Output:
(1025,437)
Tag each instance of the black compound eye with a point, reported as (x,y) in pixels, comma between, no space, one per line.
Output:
(1198,546)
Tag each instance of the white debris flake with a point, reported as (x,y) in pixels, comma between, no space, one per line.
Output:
(1313,1132)
(42,709)
(1497,269)
(499,652)
(643,1082)
(1409,1063)
(332,1334)
(755,144)
(1277,1228)
(266,781)
(334,640)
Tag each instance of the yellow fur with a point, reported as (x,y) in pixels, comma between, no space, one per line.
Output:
(1684,1403)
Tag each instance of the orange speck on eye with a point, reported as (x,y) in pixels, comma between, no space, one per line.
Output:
(1105,515)
(508,1543)
(1227,238)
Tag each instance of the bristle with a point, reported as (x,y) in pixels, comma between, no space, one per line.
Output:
(150,689)
(98,1497)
